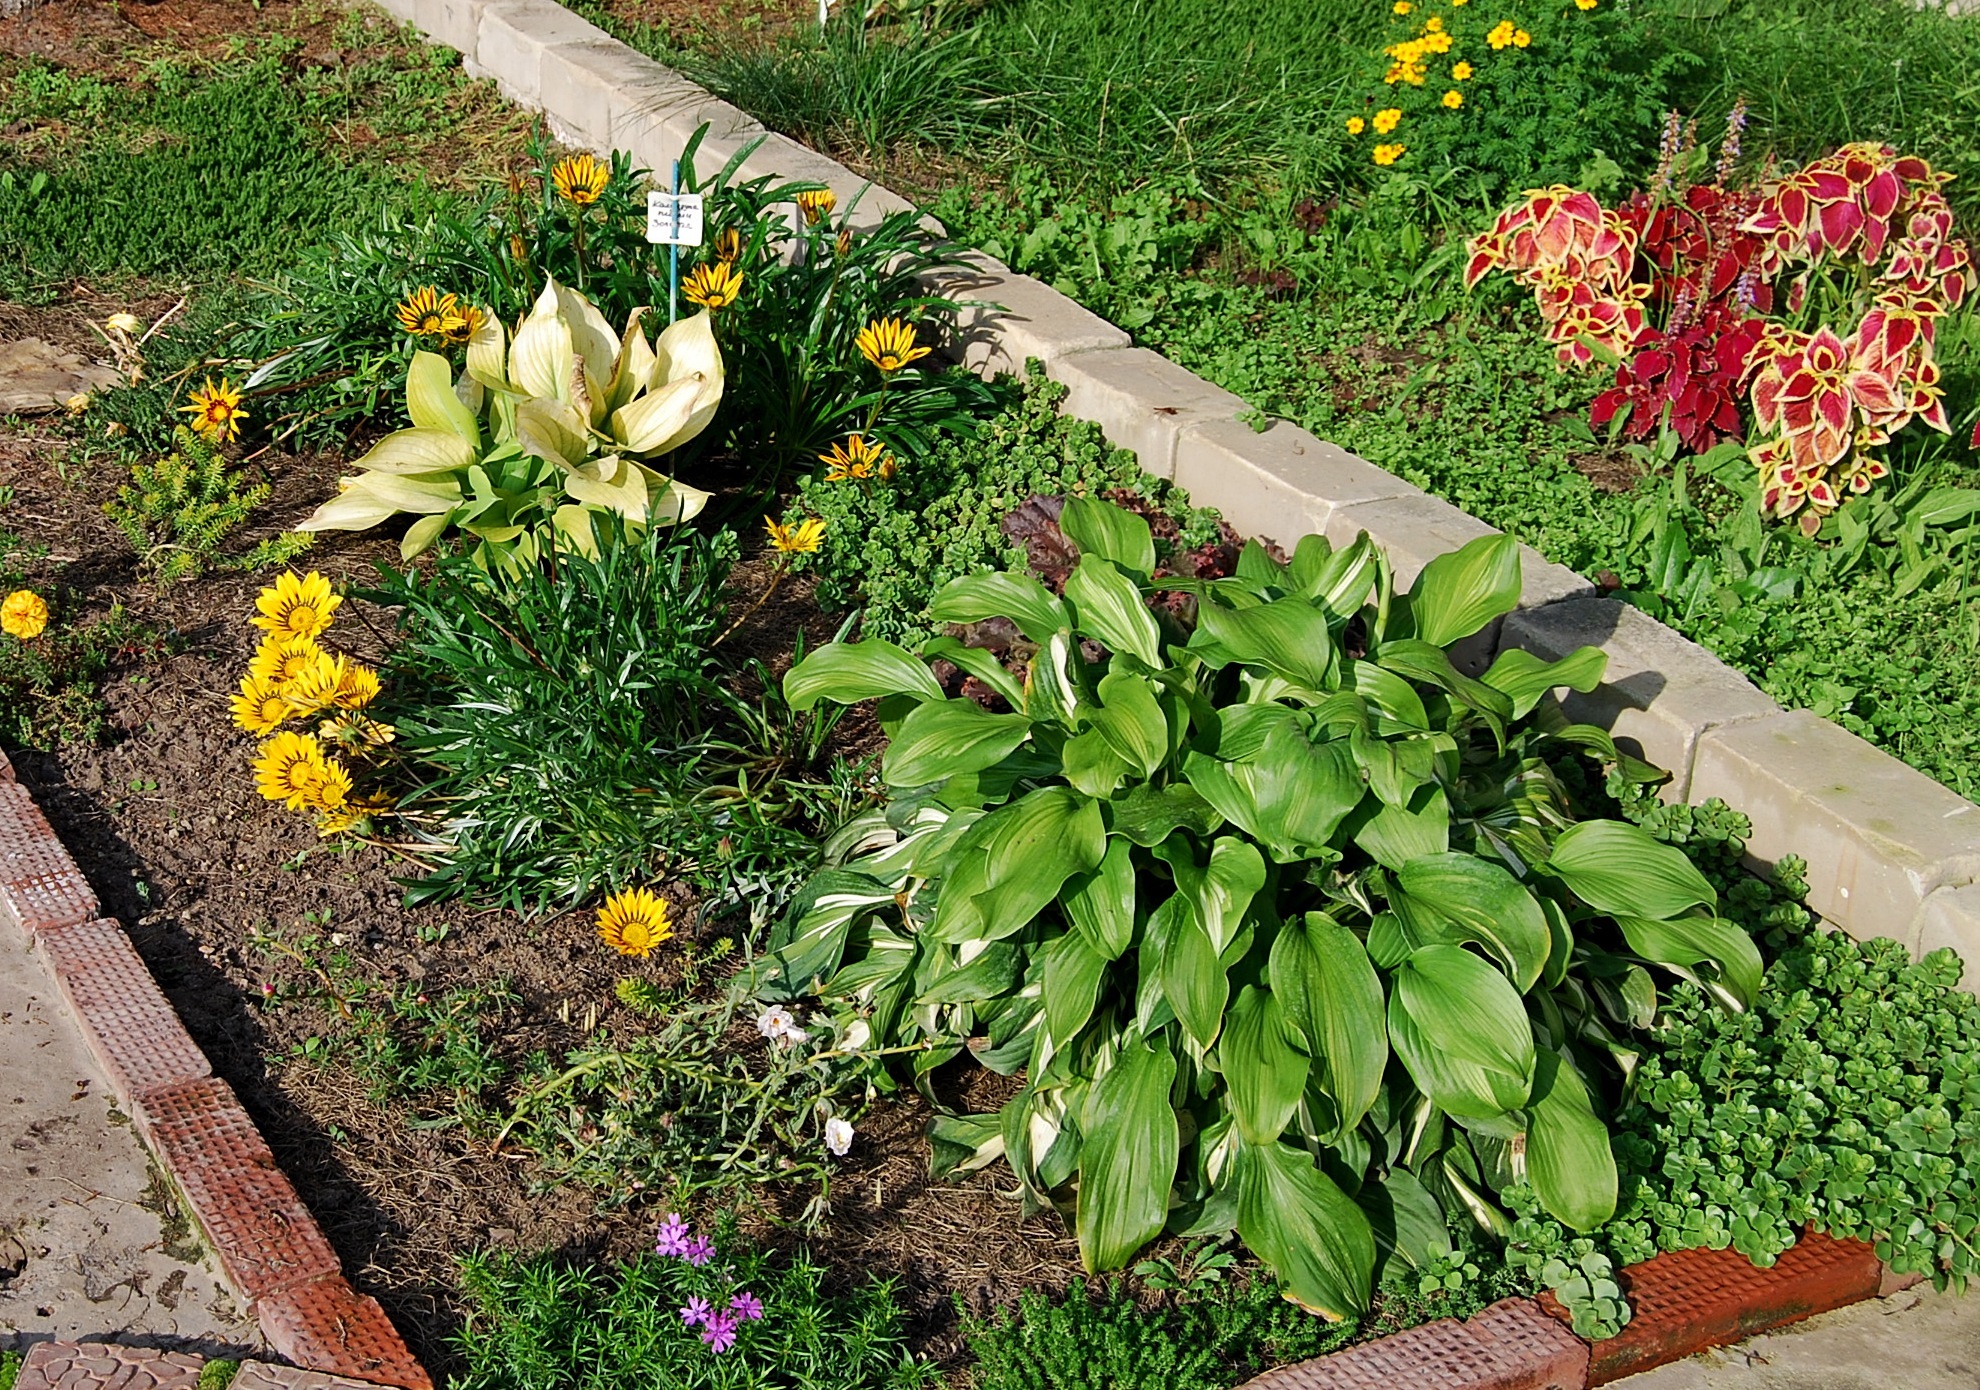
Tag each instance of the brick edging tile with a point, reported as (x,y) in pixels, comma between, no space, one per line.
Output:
(69,1365)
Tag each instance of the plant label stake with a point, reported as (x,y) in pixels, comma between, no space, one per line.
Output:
(674,220)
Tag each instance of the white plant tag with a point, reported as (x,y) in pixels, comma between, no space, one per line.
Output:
(673,219)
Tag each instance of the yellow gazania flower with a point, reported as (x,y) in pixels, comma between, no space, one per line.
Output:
(315,687)
(728,245)
(1461,72)
(1387,119)
(467,322)
(292,607)
(350,815)
(279,659)
(332,790)
(260,707)
(358,687)
(844,244)
(24,615)
(889,344)
(1521,38)
(356,732)
(817,205)
(715,286)
(634,922)
(1389,154)
(216,411)
(1453,99)
(290,768)
(1355,125)
(857,458)
(801,539)
(1402,7)
(580,180)
(427,313)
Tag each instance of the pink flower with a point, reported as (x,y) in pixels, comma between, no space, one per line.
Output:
(698,1251)
(719,1331)
(696,1312)
(673,1236)
(747,1306)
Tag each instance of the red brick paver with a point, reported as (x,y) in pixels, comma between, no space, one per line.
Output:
(102,1366)
(128,1024)
(329,1326)
(40,886)
(262,1234)
(1508,1346)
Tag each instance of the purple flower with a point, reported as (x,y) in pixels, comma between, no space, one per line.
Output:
(695,1312)
(719,1331)
(747,1306)
(698,1251)
(673,1236)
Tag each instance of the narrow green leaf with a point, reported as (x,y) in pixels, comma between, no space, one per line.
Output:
(1527,678)
(1322,976)
(1567,1147)
(1686,941)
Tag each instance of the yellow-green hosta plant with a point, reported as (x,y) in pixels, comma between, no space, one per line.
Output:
(1290,927)
(540,434)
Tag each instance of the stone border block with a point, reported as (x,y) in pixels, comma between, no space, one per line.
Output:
(327,1325)
(455,23)
(1878,836)
(590,86)
(40,886)
(1951,917)
(1660,694)
(862,203)
(1141,401)
(1414,527)
(1508,1346)
(127,1023)
(514,36)
(262,1235)
(1014,318)
(1281,483)
(262,1375)
(105,1366)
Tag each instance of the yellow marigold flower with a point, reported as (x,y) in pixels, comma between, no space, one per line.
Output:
(715,285)
(857,458)
(1356,125)
(580,180)
(292,607)
(467,322)
(728,245)
(1389,154)
(1437,43)
(634,922)
(290,768)
(1586,4)
(1501,35)
(356,732)
(280,659)
(1461,72)
(1433,25)
(1387,119)
(1453,99)
(315,687)
(23,614)
(817,205)
(1402,7)
(260,707)
(889,344)
(1521,38)
(358,688)
(427,313)
(216,411)
(801,539)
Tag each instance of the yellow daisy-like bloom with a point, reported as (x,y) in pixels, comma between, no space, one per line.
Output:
(279,660)
(427,313)
(467,322)
(1389,154)
(1461,72)
(1501,35)
(1387,119)
(889,344)
(714,286)
(332,790)
(1433,25)
(1453,99)
(1356,125)
(216,411)
(260,707)
(1402,7)
(801,539)
(728,245)
(292,607)
(350,815)
(316,686)
(356,732)
(358,688)
(857,458)
(634,922)
(817,205)
(1586,4)
(290,768)
(24,615)
(1521,38)
(580,180)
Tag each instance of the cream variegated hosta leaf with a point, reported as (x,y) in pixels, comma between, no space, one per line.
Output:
(669,501)
(652,422)
(374,497)
(418,451)
(610,482)
(552,431)
(431,402)
(634,366)
(488,354)
(597,350)
(541,357)
(688,349)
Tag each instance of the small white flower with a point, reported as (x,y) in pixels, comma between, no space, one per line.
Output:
(776,1022)
(858,1035)
(838,1135)
(124,323)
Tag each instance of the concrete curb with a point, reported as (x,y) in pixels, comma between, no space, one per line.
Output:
(268,1247)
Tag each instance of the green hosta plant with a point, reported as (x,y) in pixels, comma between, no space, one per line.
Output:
(540,434)
(1290,926)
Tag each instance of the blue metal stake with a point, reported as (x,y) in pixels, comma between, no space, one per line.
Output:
(674,253)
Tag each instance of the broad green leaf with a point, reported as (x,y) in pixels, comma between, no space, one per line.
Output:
(1310,1233)
(1110,609)
(1341,583)
(1193,980)
(1100,902)
(1462,1031)
(1073,971)
(848,672)
(1131,720)
(1567,1147)
(1420,661)
(964,1143)
(1331,994)
(1527,678)
(1388,694)
(1257,569)
(1293,797)
(1488,905)
(992,971)
(1288,637)
(1406,1219)
(1394,835)
(1686,941)
(1460,592)
(431,402)
(1621,869)
(1013,862)
(977,662)
(1147,815)
(1113,533)
(421,535)
(1220,894)
(997,594)
(1090,763)
(949,737)
(1266,1074)
(1128,1163)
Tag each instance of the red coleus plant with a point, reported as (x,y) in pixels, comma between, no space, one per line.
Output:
(1680,284)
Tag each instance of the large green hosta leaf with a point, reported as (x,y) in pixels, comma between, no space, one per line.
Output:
(1266,1073)
(848,672)
(1460,592)
(1483,903)
(1567,1147)
(1128,1162)
(1620,868)
(1322,975)
(1462,1031)
(949,738)
(1014,861)
(1311,1234)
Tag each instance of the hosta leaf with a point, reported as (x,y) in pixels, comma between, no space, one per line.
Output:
(418,451)
(991,971)
(1331,994)
(1293,797)
(1266,1074)
(1310,1233)
(1073,971)
(848,672)
(1091,764)
(1567,1148)
(1486,904)
(1113,533)
(431,402)
(1100,902)
(977,662)
(1110,609)
(946,738)
(1128,1162)
(1462,1031)
(1621,869)
(996,594)
(1288,637)
(1527,678)
(1148,815)
(1014,861)
(1219,894)
(1132,722)
(1461,591)
(1686,941)
(1193,980)
(1393,835)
